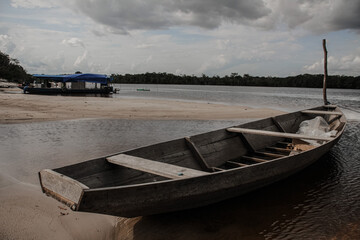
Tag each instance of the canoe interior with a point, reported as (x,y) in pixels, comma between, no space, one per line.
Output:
(221,150)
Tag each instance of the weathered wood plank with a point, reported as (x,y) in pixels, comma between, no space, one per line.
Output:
(286,150)
(264,124)
(278,124)
(61,187)
(268,154)
(278,134)
(219,146)
(321,112)
(330,106)
(255,159)
(198,155)
(246,142)
(174,152)
(154,167)
(217,169)
(334,119)
(237,164)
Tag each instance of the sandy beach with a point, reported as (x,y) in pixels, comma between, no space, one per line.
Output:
(26,213)
(19,108)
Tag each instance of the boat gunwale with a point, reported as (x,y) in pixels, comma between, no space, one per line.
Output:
(240,168)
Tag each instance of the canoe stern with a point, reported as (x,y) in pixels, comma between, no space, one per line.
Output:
(62,188)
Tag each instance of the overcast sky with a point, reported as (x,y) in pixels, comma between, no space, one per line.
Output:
(256,37)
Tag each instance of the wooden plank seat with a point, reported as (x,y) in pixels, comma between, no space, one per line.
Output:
(321,112)
(154,167)
(278,149)
(277,134)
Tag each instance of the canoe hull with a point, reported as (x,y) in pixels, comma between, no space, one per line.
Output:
(117,190)
(169,196)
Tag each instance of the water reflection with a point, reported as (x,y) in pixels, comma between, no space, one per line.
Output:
(27,148)
(288,99)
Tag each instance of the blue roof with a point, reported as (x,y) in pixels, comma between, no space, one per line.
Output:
(87,77)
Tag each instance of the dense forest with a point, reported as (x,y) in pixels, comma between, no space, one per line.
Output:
(11,70)
(304,80)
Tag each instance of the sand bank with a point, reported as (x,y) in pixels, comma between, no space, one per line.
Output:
(17,108)
(26,213)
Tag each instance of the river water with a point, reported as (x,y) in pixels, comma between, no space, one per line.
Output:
(321,202)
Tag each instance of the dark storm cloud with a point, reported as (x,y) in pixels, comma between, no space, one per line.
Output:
(127,15)
(318,15)
(121,16)
(346,15)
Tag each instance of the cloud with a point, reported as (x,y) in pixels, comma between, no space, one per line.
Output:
(258,37)
(343,65)
(81,60)
(144,46)
(346,15)
(318,16)
(216,62)
(6,44)
(121,17)
(127,15)
(33,3)
(73,42)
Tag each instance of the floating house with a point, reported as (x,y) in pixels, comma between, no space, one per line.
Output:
(70,84)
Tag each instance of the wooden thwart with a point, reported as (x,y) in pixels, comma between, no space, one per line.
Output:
(154,167)
(277,134)
(322,112)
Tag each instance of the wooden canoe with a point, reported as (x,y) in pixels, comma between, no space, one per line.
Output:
(193,171)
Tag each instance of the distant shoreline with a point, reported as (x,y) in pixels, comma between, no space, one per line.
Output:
(299,81)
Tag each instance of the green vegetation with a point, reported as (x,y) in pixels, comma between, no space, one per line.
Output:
(304,80)
(11,70)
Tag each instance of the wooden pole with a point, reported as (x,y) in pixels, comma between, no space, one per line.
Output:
(277,134)
(325,73)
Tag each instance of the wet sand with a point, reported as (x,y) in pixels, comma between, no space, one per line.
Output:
(28,214)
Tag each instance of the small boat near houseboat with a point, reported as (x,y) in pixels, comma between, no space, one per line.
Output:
(197,170)
(69,84)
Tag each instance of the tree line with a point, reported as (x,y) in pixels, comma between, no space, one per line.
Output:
(10,69)
(303,80)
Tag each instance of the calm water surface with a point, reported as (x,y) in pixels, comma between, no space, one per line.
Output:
(321,202)
(280,98)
